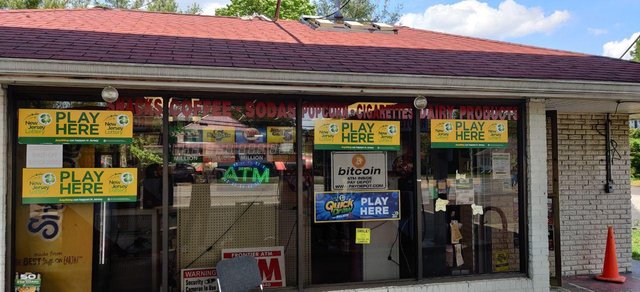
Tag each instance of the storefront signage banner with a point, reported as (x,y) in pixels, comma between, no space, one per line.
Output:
(469,134)
(356,135)
(356,206)
(78,185)
(199,279)
(51,126)
(219,135)
(358,170)
(251,135)
(281,135)
(270,262)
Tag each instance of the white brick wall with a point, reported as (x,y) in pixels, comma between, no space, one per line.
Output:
(537,221)
(585,209)
(537,194)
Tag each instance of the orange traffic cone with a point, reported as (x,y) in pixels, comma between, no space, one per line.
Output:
(610,267)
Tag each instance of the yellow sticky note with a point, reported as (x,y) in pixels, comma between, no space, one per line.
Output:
(363,236)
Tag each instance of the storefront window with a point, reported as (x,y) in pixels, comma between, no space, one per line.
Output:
(469,184)
(359,191)
(233,185)
(94,237)
(232,189)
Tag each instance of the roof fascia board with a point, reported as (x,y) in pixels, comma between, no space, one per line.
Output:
(200,78)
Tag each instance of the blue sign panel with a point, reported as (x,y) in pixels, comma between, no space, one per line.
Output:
(357,206)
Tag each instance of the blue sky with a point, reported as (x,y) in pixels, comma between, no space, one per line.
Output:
(589,26)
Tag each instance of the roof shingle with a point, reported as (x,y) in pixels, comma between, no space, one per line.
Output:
(106,35)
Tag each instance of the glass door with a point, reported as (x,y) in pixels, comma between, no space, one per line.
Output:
(75,238)
(469,187)
(359,191)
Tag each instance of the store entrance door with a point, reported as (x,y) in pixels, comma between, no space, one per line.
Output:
(360,163)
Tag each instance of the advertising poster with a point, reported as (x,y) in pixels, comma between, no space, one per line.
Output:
(279,135)
(53,126)
(358,170)
(469,134)
(222,135)
(356,206)
(501,165)
(251,136)
(199,279)
(78,185)
(28,282)
(270,262)
(191,135)
(56,241)
(356,135)
(464,189)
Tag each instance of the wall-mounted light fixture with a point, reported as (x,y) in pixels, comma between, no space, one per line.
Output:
(109,94)
(420,102)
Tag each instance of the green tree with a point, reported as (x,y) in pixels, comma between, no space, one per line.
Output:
(194,8)
(20,4)
(289,9)
(163,6)
(634,143)
(149,5)
(635,53)
(362,10)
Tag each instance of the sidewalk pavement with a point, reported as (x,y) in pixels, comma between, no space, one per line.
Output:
(589,284)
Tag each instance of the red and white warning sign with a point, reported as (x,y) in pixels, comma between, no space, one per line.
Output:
(270,262)
(199,279)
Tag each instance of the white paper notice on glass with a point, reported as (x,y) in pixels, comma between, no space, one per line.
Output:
(501,165)
(44,156)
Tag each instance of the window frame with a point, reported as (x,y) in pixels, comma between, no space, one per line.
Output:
(15,93)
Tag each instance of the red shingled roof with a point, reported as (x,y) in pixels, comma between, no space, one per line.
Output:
(160,38)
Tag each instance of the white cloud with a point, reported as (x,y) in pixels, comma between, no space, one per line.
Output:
(615,48)
(474,18)
(210,7)
(597,31)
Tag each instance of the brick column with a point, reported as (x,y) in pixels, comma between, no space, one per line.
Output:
(536,157)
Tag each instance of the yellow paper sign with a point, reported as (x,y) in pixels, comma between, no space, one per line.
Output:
(356,135)
(51,126)
(223,135)
(281,134)
(469,134)
(56,241)
(501,261)
(363,236)
(78,185)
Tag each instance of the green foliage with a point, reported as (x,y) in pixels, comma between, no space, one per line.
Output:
(163,6)
(634,144)
(54,4)
(635,53)
(194,8)
(145,157)
(289,9)
(149,5)
(20,4)
(635,244)
(362,10)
